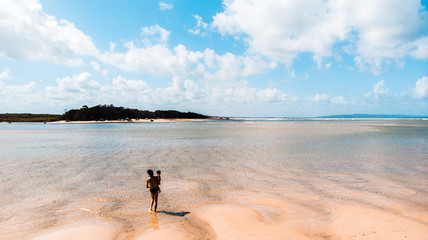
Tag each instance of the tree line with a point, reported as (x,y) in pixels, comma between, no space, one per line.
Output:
(99,113)
(110,112)
(28,117)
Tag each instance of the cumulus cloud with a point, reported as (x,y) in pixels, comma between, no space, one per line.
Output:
(419,48)
(188,91)
(165,6)
(81,89)
(120,83)
(13,91)
(10,93)
(158,59)
(26,32)
(421,89)
(235,99)
(374,31)
(179,92)
(326,100)
(5,74)
(271,95)
(159,34)
(77,86)
(339,100)
(200,28)
(321,98)
(378,90)
(16,90)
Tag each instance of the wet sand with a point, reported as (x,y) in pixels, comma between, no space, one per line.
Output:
(256,217)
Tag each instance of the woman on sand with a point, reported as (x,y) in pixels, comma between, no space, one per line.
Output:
(153,183)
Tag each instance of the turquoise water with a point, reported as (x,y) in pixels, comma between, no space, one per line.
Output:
(57,174)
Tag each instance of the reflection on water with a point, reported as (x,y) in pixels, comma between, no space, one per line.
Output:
(57,174)
(154,221)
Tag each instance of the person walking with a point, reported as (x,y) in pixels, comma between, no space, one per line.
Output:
(153,183)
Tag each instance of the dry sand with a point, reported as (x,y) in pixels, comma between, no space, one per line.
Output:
(263,217)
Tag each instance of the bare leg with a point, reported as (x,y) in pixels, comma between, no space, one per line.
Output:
(156,200)
(151,205)
(152,202)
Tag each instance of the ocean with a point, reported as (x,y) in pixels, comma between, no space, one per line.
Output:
(55,175)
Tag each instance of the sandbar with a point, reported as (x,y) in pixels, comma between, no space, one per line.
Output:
(93,231)
(254,217)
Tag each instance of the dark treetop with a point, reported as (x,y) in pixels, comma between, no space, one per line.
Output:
(110,112)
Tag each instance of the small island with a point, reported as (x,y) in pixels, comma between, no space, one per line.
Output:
(101,113)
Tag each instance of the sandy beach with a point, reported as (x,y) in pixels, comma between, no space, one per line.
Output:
(256,217)
(221,180)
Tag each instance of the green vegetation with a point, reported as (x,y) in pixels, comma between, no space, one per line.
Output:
(99,113)
(27,117)
(110,112)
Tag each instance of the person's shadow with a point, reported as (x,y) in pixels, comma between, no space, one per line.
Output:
(178,214)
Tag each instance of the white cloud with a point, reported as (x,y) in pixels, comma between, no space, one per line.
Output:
(16,90)
(419,48)
(320,65)
(26,32)
(80,89)
(378,90)
(157,59)
(233,99)
(321,98)
(122,84)
(339,100)
(200,28)
(165,6)
(375,31)
(79,86)
(9,94)
(179,92)
(421,89)
(12,92)
(5,74)
(244,95)
(153,31)
(281,29)
(112,46)
(271,95)
(96,66)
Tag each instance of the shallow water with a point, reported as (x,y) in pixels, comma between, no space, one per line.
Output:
(58,174)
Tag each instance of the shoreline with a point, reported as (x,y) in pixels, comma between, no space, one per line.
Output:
(371,121)
(159,120)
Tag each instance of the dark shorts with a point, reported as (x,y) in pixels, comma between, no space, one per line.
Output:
(154,190)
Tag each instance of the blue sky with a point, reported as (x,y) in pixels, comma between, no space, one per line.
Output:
(253,58)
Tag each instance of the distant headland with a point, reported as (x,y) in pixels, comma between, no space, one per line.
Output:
(100,113)
(360,115)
